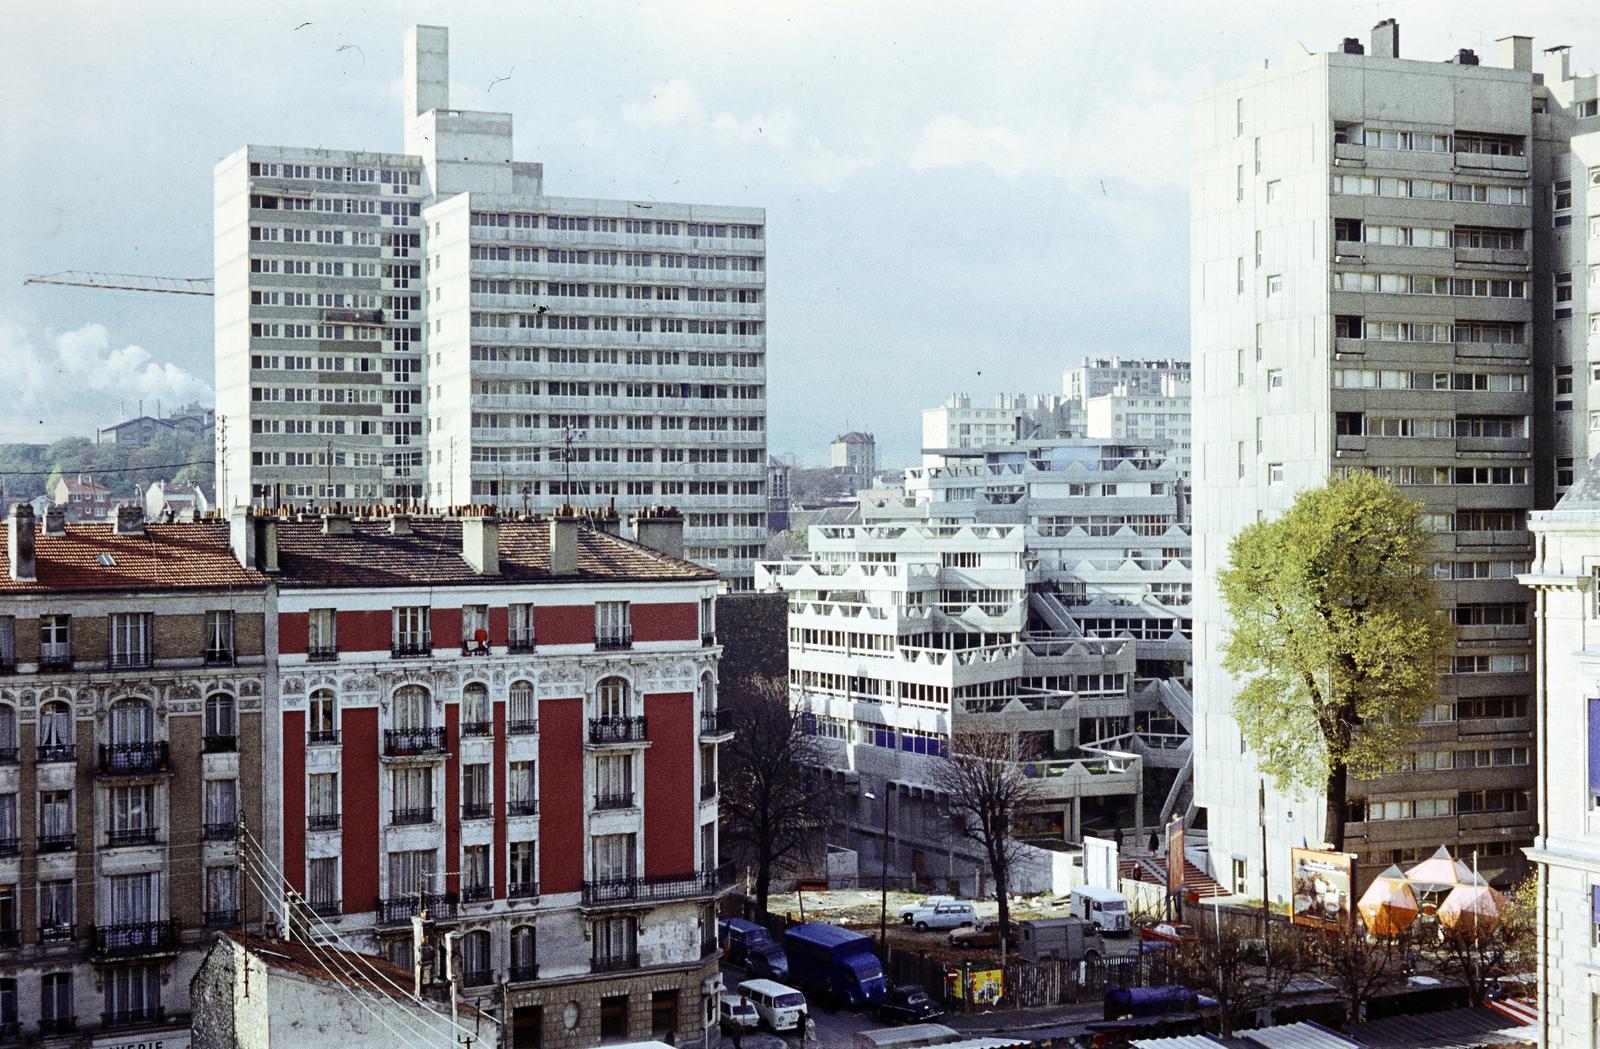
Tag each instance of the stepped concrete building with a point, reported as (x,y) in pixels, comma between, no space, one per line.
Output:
(432,326)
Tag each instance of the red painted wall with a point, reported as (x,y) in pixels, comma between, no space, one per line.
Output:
(560,795)
(499,850)
(364,631)
(294,631)
(676,622)
(499,625)
(446,626)
(359,798)
(564,625)
(294,798)
(452,792)
(670,792)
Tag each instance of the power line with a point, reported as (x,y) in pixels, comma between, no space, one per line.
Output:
(65,470)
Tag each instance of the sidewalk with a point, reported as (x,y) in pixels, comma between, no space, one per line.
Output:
(1006,1021)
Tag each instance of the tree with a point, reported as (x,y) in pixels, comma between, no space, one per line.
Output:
(1507,948)
(1338,629)
(1357,964)
(982,778)
(770,801)
(1243,973)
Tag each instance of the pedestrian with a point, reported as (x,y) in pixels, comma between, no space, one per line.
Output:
(1117,837)
(810,1037)
(1155,843)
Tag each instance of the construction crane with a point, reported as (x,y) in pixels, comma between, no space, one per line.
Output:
(126,282)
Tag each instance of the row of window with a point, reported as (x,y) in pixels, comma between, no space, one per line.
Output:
(1365,424)
(1439,475)
(130,640)
(1464,802)
(400,177)
(630,259)
(1419,284)
(636,292)
(632,358)
(131,721)
(597,224)
(1399,379)
(132,996)
(1429,189)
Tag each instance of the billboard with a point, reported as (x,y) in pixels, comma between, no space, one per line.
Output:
(1323,894)
(1175,856)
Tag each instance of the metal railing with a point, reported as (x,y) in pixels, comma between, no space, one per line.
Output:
(476,810)
(222,919)
(525,973)
(518,644)
(10,756)
(322,653)
(620,799)
(322,737)
(57,657)
(57,1024)
(617,729)
(476,893)
(523,807)
(10,846)
(218,657)
(612,640)
(477,977)
(226,830)
(327,908)
(56,842)
(411,817)
(117,839)
(477,728)
(611,963)
(401,742)
(133,1017)
(10,938)
(129,660)
(220,744)
(132,759)
(658,887)
(522,727)
(717,722)
(396,909)
(411,646)
(523,890)
(50,934)
(49,753)
(135,937)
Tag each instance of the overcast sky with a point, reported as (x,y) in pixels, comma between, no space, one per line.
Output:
(959,197)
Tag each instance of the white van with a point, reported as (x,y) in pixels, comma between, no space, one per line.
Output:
(780,1008)
(950,914)
(1105,909)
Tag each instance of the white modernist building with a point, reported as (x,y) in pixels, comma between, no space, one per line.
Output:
(1132,413)
(432,326)
(1099,376)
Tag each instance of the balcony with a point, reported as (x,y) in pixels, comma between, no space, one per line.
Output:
(222,919)
(413,742)
(133,938)
(477,977)
(612,640)
(477,728)
(55,657)
(522,727)
(10,938)
(57,934)
(523,890)
(327,908)
(128,837)
(10,756)
(129,660)
(716,723)
(519,644)
(477,893)
(411,817)
(658,888)
(525,973)
(10,846)
(134,1017)
(49,1025)
(219,744)
(617,729)
(322,653)
(322,737)
(476,810)
(52,753)
(227,830)
(622,799)
(522,807)
(613,963)
(218,657)
(56,842)
(134,759)
(411,647)
(397,909)
(708,791)
(323,821)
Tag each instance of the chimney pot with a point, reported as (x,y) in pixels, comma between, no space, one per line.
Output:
(55,521)
(19,545)
(480,543)
(1352,46)
(127,520)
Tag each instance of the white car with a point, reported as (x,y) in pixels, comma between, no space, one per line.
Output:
(952,914)
(927,901)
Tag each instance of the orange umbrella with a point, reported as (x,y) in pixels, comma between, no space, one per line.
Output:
(1388,907)
(1471,911)
(1439,872)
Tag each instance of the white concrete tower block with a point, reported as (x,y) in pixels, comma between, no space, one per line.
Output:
(427,69)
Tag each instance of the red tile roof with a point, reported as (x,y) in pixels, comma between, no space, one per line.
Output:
(180,555)
(431,556)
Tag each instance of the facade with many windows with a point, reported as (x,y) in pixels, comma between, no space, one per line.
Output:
(432,326)
(133,666)
(510,725)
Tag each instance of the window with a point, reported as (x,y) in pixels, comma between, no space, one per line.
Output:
(613,781)
(222,808)
(1274,285)
(8,1001)
(1274,378)
(219,637)
(1274,473)
(524,872)
(1561,194)
(1239,455)
(520,792)
(321,639)
(614,940)
(323,801)
(320,725)
(10,832)
(222,726)
(476,969)
(411,873)
(222,896)
(55,906)
(322,884)
(475,629)
(55,820)
(134,899)
(476,884)
(411,636)
(524,953)
(412,795)
(8,734)
(1274,190)
(1258,249)
(1258,156)
(55,642)
(55,1002)
(132,721)
(611,698)
(521,713)
(520,634)
(413,709)
(130,639)
(1238,117)
(708,620)
(475,791)
(475,710)
(132,994)
(133,815)
(8,642)
(613,857)
(612,626)
(1564,471)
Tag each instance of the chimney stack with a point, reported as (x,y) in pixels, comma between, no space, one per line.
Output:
(336,524)
(480,544)
(661,529)
(1352,46)
(254,539)
(55,521)
(127,520)
(1514,52)
(400,524)
(564,542)
(1557,64)
(19,545)
(1386,39)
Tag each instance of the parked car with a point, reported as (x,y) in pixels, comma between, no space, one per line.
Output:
(1168,932)
(736,936)
(985,935)
(908,1005)
(951,914)
(735,1011)
(766,959)
(927,901)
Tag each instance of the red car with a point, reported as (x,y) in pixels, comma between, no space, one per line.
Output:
(1168,932)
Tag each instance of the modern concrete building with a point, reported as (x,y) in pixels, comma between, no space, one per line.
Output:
(1372,290)
(1565,580)
(432,326)
(1129,413)
(777,495)
(136,662)
(512,726)
(1099,376)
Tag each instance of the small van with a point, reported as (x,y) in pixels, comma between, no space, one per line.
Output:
(1105,909)
(927,901)
(779,1007)
(949,914)
(736,1012)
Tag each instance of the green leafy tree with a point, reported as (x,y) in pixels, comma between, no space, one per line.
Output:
(1338,633)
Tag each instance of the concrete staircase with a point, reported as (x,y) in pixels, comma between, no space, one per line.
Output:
(1154,869)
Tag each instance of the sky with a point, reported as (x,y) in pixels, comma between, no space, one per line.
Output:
(960,197)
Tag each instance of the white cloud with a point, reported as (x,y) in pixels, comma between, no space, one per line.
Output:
(949,141)
(80,379)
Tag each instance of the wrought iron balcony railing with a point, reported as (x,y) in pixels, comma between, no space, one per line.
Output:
(396,909)
(611,963)
(130,938)
(411,817)
(717,722)
(322,653)
(222,744)
(49,753)
(613,640)
(226,830)
(406,742)
(617,729)
(477,728)
(118,839)
(526,973)
(56,842)
(411,646)
(322,737)
(323,821)
(476,810)
(134,759)
(522,726)
(523,807)
(657,888)
(522,890)
(620,799)
(54,934)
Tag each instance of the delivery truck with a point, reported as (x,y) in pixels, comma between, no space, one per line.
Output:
(834,961)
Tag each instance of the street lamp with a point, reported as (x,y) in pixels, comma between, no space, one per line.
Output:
(883,874)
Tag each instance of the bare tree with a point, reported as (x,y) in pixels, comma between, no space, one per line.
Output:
(1244,973)
(984,784)
(1479,955)
(1358,965)
(770,800)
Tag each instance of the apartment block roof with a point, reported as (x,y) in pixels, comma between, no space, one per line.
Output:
(93,557)
(370,554)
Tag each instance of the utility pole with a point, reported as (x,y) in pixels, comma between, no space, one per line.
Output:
(1261,816)
(327,493)
(222,462)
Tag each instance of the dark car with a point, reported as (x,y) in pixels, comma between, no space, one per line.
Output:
(985,935)
(908,1005)
(766,959)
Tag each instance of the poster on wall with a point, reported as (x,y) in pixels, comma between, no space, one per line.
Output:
(1175,856)
(1323,883)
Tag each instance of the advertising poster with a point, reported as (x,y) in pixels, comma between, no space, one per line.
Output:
(1323,888)
(1175,856)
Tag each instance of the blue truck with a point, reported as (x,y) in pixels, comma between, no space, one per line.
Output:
(837,962)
